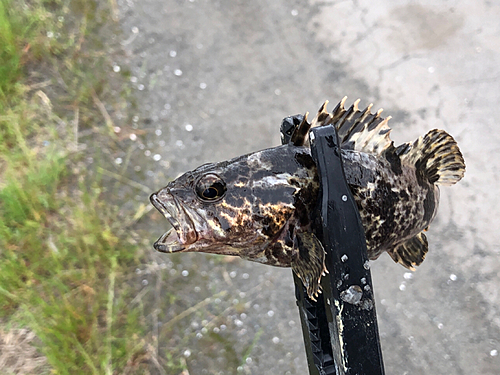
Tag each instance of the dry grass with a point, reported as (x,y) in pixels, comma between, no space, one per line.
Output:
(18,354)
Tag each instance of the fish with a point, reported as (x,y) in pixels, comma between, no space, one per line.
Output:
(260,206)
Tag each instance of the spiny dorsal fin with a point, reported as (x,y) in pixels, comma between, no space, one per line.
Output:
(357,130)
(339,110)
(437,156)
(363,131)
(322,117)
(301,132)
(411,253)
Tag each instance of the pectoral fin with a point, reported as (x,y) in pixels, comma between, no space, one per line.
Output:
(309,265)
(411,252)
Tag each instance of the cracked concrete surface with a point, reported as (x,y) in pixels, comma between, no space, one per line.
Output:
(233,69)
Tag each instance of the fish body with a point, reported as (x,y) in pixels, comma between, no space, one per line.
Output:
(260,206)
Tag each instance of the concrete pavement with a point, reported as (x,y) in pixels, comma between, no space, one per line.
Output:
(215,78)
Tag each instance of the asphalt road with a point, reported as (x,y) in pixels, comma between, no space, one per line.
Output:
(215,78)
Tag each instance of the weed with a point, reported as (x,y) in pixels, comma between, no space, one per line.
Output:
(63,258)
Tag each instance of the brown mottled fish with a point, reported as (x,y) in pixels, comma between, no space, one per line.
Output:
(259,206)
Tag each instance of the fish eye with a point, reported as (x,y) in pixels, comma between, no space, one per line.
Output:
(210,187)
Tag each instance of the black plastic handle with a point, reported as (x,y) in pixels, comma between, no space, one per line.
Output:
(340,330)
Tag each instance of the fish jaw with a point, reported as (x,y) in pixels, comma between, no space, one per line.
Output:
(169,242)
(183,233)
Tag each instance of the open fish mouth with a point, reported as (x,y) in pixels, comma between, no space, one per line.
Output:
(182,233)
(168,242)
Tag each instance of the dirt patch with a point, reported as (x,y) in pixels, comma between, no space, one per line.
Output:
(16,342)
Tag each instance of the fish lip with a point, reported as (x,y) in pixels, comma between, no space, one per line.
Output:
(177,238)
(155,201)
(168,242)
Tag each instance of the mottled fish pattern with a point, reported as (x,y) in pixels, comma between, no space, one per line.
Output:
(259,206)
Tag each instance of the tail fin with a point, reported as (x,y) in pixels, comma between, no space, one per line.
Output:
(437,156)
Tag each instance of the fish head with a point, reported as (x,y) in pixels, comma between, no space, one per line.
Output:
(235,207)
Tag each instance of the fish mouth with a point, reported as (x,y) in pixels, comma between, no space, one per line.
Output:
(182,234)
(168,242)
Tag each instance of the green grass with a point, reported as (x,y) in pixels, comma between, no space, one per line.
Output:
(9,54)
(61,248)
